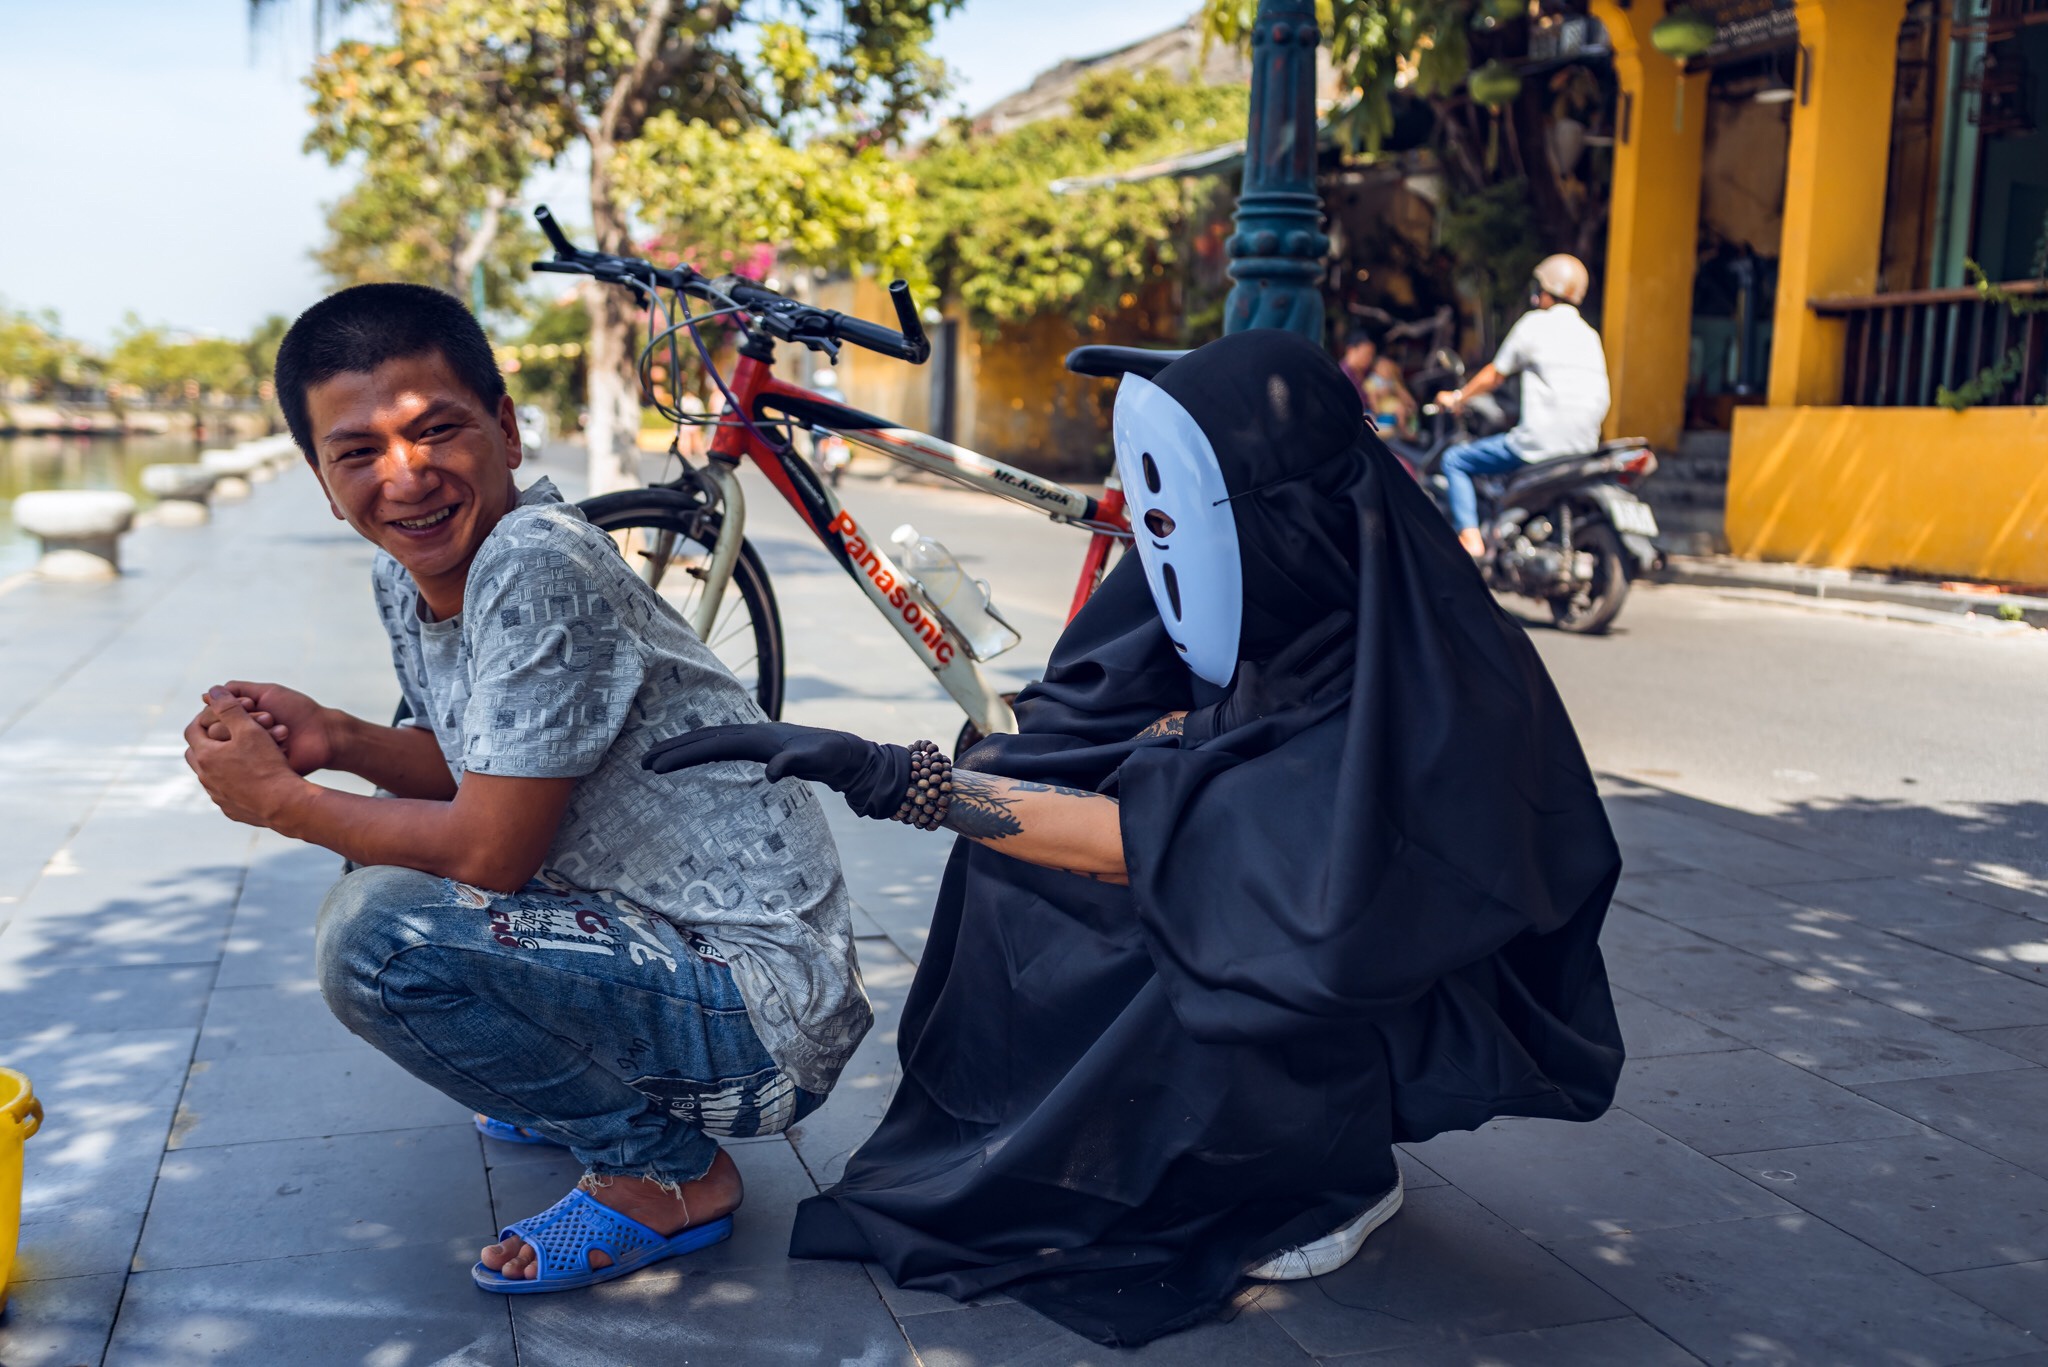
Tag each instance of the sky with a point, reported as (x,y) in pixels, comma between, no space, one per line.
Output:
(150,156)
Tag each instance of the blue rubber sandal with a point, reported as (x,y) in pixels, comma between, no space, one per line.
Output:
(563,1235)
(505,1132)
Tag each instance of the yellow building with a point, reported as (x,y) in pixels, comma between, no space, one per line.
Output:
(1914,139)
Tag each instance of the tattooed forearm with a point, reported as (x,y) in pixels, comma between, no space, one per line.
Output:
(1169,725)
(1040,823)
(983,808)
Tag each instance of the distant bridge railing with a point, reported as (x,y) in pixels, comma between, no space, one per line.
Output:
(1903,349)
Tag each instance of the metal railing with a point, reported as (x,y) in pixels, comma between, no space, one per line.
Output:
(1903,349)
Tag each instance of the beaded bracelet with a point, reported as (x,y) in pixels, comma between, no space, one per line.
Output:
(930,794)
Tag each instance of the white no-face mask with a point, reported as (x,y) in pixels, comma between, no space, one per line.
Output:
(1182,526)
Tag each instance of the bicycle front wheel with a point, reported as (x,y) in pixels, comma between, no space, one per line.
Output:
(667,540)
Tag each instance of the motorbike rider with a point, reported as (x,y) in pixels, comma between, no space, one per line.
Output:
(1564,392)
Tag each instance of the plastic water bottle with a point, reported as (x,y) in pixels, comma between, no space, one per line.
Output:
(961,599)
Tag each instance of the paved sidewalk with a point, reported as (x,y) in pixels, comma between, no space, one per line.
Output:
(1830,1145)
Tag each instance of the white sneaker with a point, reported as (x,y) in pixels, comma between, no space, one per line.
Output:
(1334,1249)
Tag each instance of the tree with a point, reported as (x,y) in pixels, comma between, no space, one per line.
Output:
(483,91)
(430,230)
(1390,51)
(35,353)
(999,235)
(169,368)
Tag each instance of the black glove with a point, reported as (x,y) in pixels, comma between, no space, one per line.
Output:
(873,777)
(1316,665)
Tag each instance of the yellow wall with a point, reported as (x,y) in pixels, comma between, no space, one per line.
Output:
(1963,495)
(1652,225)
(1834,187)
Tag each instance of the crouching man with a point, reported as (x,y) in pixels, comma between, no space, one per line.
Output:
(583,952)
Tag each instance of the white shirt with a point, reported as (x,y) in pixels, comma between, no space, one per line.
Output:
(1564,383)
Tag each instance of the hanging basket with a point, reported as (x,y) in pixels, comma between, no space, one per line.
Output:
(1495,84)
(1683,34)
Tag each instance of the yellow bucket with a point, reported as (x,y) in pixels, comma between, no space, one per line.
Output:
(20,1116)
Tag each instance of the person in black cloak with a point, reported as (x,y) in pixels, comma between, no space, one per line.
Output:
(1293,856)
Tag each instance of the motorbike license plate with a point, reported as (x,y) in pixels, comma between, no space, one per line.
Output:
(1633,517)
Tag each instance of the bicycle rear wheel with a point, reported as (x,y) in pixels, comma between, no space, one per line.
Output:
(667,539)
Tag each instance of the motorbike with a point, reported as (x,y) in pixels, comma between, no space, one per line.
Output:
(1569,532)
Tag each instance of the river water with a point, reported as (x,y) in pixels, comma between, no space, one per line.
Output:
(75,463)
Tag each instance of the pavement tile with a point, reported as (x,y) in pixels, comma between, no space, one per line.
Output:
(1757,860)
(61,1323)
(247,1098)
(996,1335)
(1557,1181)
(1688,896)
(2026,1041)
(242,1202)
(1747,1100)
(89,1237)
(1790,1289)
(1653,1031)
(1603,1343)
(363,1306)
(1902,973)
(892,872)
(775,1182)
(1443,1270)
(1803,1019)
(35,997)
(2000,1113)
(2006,940)
(798,1314)
(2017,1291)
(1935,1204)
(88,1173)
(284,1018)
(827,1137)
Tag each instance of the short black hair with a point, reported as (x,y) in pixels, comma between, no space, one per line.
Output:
(360,328)
(1364,334)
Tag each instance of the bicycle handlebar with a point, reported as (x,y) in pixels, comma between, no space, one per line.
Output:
(790,320)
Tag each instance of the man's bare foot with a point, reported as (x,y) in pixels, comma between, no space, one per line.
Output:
(714,1195)
(1473,542)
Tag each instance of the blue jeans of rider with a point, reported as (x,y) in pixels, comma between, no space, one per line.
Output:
(579,1015)
(1487,456)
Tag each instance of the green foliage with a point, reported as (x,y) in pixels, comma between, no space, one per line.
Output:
(165,367)
(1379,45)
(393,225)
(463,99)
(34,353)
(716,194)
(994,233)
(1988,383)
(546,364)
(1489,233)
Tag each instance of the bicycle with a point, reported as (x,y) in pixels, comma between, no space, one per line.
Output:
(697,521)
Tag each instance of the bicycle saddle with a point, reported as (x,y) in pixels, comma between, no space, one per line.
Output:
(1113,362)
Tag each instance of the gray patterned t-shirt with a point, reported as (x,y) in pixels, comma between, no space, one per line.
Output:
(564,664)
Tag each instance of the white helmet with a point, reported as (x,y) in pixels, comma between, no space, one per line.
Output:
(1563,277)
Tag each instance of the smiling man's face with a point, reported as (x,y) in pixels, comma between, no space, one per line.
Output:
(418,464)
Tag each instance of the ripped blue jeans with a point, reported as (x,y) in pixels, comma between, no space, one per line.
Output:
(578,1015)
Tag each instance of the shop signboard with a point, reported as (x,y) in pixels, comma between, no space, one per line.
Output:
(1746,28)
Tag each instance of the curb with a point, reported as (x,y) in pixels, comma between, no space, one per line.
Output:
(1726,572)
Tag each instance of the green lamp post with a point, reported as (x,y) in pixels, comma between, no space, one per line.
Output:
(1276,253)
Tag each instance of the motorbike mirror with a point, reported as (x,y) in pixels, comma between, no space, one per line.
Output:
(1447,359)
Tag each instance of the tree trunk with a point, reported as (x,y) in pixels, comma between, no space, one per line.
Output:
(477,245)
(614,385)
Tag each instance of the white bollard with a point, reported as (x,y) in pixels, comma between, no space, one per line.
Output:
(181,492)
(233,471)
(80,530)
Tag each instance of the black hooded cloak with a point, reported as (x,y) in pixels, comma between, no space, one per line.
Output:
(1363,921)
